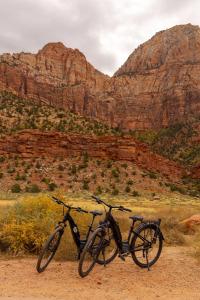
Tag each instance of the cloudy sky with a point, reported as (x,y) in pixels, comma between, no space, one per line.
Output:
(106,31)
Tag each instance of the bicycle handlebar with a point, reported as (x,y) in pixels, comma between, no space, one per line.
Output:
(99,201)
(60,202)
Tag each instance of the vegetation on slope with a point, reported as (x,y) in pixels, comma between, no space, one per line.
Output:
(180,142)
(17,114)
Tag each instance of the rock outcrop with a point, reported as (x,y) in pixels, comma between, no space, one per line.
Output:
(191,222)
(158,85)
(34,144)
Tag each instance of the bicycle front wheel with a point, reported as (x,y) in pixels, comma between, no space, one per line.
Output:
(146,245)
(49,250)
(109,248)
(90,252)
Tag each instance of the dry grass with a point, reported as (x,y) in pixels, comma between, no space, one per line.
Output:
(26,224)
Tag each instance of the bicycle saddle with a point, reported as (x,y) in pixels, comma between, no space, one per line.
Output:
(136,218)
(96,213)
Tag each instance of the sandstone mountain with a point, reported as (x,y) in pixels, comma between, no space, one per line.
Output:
(158,86)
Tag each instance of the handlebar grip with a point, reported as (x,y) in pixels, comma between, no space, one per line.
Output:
(56,200)
(122,208)
(98,200)
(129,210)
(79,209)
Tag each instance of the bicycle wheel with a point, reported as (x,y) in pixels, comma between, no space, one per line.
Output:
(109,248)
(90,252)
(146,245)
(49,250)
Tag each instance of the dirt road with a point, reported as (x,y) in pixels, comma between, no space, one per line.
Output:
(175,276)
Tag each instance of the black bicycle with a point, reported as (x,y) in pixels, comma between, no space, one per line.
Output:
(50,247)
(144,241)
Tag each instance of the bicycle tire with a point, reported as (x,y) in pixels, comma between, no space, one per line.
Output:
(139,232)
(57,234)
(93,250)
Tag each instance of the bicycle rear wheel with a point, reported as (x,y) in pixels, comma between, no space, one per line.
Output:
(90,252)
(49,250)
(146,245)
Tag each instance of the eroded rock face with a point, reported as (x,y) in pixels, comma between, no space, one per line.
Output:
(34,143)
(158,85)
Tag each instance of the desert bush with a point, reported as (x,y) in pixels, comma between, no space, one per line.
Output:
(26,225)
(115,173)
(135,194)
(61,168)
(109,164)
(32,188)
(125,166)
(52,186)
(152,175)
(99,190)
(86,184)
(127,189)
(73,169)
(45,180)
(16,188)
(129,182)
(2,159)
(115,191)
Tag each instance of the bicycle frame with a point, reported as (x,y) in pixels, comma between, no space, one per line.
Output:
(80,243)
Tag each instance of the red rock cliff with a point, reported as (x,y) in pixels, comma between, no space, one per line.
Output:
(157,86)
(34,143)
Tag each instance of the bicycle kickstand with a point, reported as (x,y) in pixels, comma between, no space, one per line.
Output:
(147,261)
(103,252)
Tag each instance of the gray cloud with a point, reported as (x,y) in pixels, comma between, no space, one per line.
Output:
(106,31)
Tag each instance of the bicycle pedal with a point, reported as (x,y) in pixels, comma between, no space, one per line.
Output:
(122,257)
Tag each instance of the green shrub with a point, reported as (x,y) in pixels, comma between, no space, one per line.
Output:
(135,194)
(86,184)
(99,190)
(125,166)
(61,168)
(2,159)
(11,170)
(73,169)
(85,157)
(109,164)
(115,173)
(16,188)
(46,180)
(52,186)
(127,189)
(130,182)
(152,175)
(115,192)
(32,188)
